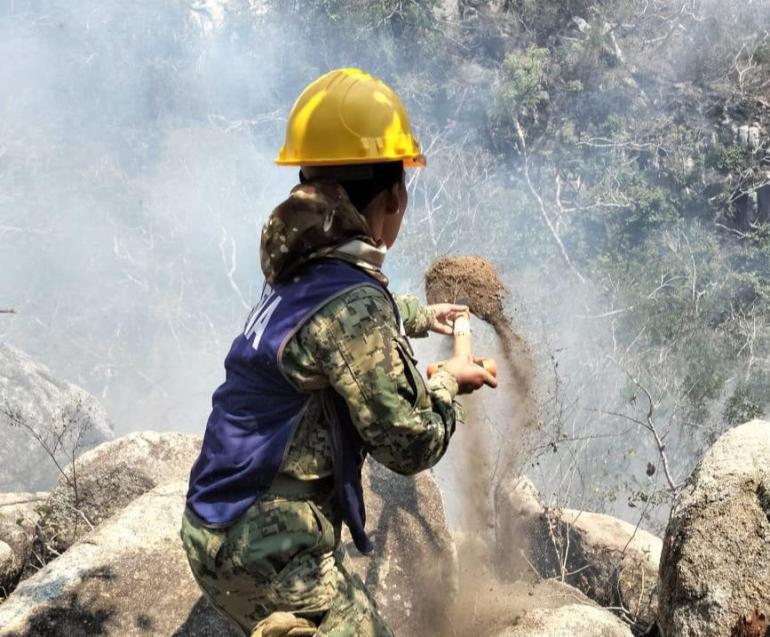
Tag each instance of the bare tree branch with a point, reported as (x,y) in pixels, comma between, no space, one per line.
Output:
(541,205)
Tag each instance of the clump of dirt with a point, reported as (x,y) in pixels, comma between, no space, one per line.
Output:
(473,281)
(469,280)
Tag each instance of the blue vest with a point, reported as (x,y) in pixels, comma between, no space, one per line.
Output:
(256,410)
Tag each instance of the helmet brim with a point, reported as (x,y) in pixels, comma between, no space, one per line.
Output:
(420,161)
(416,161)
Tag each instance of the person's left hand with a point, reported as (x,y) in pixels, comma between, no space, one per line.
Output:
(444,315)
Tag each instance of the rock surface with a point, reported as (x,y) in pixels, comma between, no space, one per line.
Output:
(485,606)
(412,570)
(39,411)
(113,474)
(129,578)
(9,569)
(715,565)
(613,562)
(572,620)
(18,517)
(518,516)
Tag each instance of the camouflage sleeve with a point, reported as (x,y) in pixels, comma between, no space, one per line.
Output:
(417,318)
(405,424)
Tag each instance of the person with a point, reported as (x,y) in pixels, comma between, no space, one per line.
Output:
(322,375)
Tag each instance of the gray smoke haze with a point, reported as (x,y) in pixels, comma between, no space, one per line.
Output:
(135,171)
(136,147)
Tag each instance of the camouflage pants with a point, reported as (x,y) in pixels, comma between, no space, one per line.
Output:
(280,555)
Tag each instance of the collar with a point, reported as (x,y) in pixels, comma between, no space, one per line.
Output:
(372,255)
(364,255)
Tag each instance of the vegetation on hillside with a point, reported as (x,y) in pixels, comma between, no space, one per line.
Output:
(620,150)
(610,157)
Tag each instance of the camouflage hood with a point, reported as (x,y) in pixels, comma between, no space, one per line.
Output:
(316,220)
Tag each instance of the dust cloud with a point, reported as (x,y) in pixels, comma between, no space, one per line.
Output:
(488,598)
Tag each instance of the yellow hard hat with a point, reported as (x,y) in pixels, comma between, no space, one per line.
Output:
(348,117)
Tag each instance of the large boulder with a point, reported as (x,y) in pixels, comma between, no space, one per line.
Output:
(19,514)
(715,566)
(413,569)
(572,620)
(129,578)
(44,422)
(9,571)
(613,562)
(518,518)
(106,479)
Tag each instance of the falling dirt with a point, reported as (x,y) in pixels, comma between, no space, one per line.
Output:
(484,593)
(473,281)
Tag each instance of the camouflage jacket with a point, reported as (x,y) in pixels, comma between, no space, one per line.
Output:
(355,345)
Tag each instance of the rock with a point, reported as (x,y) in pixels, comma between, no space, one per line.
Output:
(611,50)
(715,565)
(39,412)
(19,513)
(580,25)
(485,606)
(763,202)
(573,620)
(487,25)
(613,562)
(609,560)
(9,569)
(750,136)
(110,476)
(130,578)
(745,210)
(412,570)
(448,10)
(518,516)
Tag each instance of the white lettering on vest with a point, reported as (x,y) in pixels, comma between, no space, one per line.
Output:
(260,315)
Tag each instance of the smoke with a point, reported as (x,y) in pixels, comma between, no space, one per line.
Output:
(136,146)
(135,171)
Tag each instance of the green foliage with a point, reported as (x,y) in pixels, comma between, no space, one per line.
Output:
(416,15)
(706,373)
(384,36)
(522,92)
(636,161)
(729,160)
(525,78)
(762,55)
(743,405)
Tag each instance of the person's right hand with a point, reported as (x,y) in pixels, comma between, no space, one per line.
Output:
(469,374)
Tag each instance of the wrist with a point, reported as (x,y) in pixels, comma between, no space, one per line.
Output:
(443,379)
